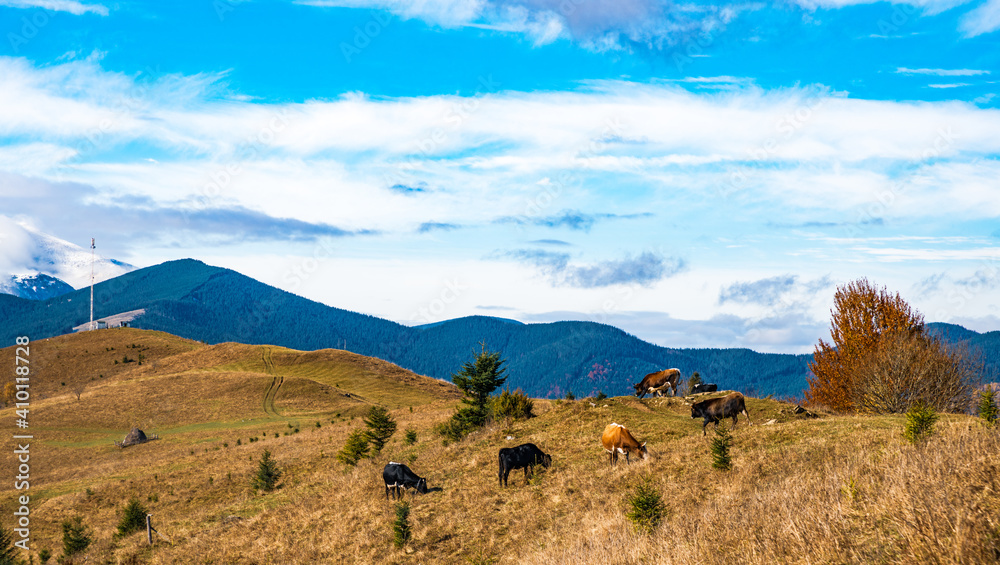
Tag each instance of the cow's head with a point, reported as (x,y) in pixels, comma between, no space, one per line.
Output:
(643,452)
(422,486)
(639,388)
(696,410)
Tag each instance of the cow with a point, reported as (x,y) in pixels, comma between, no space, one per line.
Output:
(657,382)
(704,387)
(526,456)
(617,439)
(398,476)
(715,409)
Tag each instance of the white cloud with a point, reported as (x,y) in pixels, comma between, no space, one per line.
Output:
(983,19)
(71,6)
(601,25)
(928,6)
(942,72)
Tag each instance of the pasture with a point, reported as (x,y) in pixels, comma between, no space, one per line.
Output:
(832,489)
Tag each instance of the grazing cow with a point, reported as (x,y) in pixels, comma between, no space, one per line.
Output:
(398,476)
(657,382)
(525,456)
(715,409)
(704,387)
(617,439)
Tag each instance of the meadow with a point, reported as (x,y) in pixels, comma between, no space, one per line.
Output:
(823,489)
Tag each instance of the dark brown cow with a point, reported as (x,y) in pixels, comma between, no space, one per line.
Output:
(656,382)
(617,439)
(715,409)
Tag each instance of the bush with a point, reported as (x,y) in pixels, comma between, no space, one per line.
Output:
(401,531)
(600,395)
(645,507)
(133,518)
(355,449)
(411,437)
(381,426)
(8,551)
(514,405)
(988,411)
(76,538)
(881,360)
(920,421)
(459,425)
(44,555)
(721,443)
(570,395)
(267,475)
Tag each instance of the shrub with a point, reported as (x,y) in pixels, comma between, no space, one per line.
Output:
(267,475)
(988,411)
(8,551)
(600,395)
(570,395)
(645,507)
(401,530)
(381,426)
(514,405)
(920,421)
(458,426)
(76,538)
(44,555)
(882,360)
(133,518)
(411,436)
(355,449)
(721,443)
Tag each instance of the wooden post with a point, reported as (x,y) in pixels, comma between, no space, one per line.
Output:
(149,528)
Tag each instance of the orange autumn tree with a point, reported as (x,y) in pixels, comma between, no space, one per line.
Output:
(864,319)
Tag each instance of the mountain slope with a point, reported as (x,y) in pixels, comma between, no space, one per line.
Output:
(34,287)
(32,253)
(214,305)
(197,301)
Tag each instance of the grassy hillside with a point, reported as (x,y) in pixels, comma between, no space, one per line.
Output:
(824,490)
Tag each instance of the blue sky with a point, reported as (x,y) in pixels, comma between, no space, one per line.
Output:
(698,174)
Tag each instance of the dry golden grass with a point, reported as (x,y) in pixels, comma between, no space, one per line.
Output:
(826,490)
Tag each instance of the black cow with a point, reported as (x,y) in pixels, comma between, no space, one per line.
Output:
(704,387)
(715,409)
(525,455)
(398,476)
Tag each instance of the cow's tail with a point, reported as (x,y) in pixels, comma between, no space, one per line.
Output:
(500,472)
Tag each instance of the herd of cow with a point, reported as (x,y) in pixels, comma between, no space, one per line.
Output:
(616,439)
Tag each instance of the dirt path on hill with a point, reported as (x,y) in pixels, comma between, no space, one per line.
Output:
(272,389)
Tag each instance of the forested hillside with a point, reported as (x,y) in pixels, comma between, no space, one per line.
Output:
(211,304)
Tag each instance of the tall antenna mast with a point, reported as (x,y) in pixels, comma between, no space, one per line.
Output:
(92,258)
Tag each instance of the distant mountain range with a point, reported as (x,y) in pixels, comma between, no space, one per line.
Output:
(34,287)
(212,304)
(53,266)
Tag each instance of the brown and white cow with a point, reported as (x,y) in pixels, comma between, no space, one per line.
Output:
(715,409)
(616,440)
(656,383)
